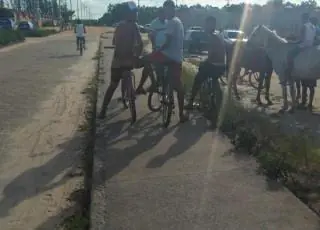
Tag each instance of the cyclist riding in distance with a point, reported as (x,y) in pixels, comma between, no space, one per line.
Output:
(80,31)
(171,53)
(157,37)
(215,65)
(128,46)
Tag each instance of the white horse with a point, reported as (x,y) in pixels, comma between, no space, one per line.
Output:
(306,65)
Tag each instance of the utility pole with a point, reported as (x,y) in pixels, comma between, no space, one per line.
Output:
(78,9)
(81,6)
(19,10)
(38,16)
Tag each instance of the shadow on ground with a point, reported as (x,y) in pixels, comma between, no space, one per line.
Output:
(146,133)
(40,179)
(65,56)
(186,136)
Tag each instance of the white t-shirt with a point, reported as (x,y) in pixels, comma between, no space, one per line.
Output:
(159,29)
(175,49)
(310,35)
(80,30)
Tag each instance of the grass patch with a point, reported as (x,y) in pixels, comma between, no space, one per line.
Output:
(10,36)
(39,32)
(81,219)
(290,156)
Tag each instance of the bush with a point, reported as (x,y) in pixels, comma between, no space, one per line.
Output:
(48,24)
(10,36)
(39,32)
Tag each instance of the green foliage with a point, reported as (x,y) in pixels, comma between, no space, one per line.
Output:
(6,13)
(234,11)
(47,24)
(39,32)
(10,36)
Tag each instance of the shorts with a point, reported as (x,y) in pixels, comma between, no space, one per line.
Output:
(206,69)
(157,58)
(309,83)
(117,73)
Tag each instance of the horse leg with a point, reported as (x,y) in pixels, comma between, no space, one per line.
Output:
(260,87)
(293,97)
(267,85)
(298,85)
(235,88)
(234,79)
(284,96)
(311,97)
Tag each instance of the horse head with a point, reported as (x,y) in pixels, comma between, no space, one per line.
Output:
(262,36)
(257,37)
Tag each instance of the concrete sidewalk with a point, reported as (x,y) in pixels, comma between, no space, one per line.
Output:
(184,177)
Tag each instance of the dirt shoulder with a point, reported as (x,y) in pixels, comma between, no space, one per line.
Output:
(40,173)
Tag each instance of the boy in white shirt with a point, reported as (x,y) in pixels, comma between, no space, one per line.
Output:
(80,31)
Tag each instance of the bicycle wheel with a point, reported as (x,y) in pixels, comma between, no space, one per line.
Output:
(132,106)
(81,47)
(203,102)
(254,80)
(132,97)
(152,97)
(123,97)
(167,104)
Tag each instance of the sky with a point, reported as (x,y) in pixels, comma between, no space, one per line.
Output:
(99,7)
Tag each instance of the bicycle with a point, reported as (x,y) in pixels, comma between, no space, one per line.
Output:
(210,99)
(164,90)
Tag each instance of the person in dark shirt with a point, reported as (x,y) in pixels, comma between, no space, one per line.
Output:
(214,66)
(128,46)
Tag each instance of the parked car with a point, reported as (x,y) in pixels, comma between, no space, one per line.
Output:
(26,25)
(233,35)
(7,23)
(195,41)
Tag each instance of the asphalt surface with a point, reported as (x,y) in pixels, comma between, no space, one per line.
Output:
(40,109)
(183,177)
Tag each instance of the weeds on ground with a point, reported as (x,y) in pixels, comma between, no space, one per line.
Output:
(10,36)
(80,220)
(39,32)
(291,158)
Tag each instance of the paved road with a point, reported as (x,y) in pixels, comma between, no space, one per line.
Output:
(184,177)
(41,106)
